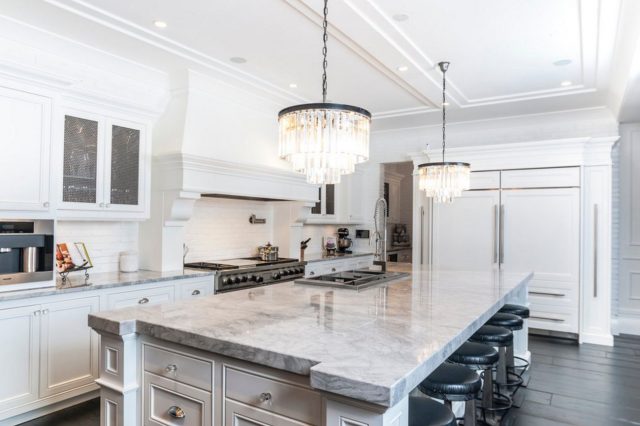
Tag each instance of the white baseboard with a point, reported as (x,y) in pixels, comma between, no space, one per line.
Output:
(597,339)
(626,325)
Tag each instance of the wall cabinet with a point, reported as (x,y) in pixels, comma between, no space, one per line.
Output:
(25,126)
(105,167)
(339,204)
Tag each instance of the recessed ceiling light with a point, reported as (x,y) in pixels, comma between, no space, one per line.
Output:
(238,60)
(445,104)
(160,24)
(400,17)
(293,85)
(403,68)
(565,83)
(562,62)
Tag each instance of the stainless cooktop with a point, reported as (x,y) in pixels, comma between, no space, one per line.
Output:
(354,280)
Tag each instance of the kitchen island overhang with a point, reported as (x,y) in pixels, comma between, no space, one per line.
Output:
(372,346)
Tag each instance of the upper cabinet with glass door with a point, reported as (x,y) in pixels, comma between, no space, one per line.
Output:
(105,168)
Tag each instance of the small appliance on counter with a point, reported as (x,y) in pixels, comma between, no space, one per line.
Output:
(344,242)
(248,272)
(26,254)
(330,246)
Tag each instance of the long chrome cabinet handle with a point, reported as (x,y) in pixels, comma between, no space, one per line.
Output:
(495,233)
(421,235)
(546,319)
(502,213)
(543,293)
(595,250)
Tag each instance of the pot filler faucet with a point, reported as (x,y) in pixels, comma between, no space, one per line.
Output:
(380,221)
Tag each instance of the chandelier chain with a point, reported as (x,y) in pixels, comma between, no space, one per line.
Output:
(444,109)
(325,37)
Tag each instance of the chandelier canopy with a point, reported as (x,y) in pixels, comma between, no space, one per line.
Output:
(444,180)
(324,140)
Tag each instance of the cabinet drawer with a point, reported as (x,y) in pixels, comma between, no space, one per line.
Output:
(145,297)
(195,289)
(553,318)
(541,178)
(163,396)
(179,367)
(237,414)
(485,180)
(286,399)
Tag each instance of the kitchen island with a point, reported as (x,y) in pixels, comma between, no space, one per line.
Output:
(291,354)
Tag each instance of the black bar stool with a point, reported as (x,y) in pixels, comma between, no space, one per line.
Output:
(513,323)
(501,338)
(522,312)
(451,382)
(479,356)
(427,412)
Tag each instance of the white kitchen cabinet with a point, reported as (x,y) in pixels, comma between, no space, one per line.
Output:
(25,126)
(147,296)
(20,331)
(333,265)
(339,204)
(105,167)
(541,232)
(324,210)
(465,232)
(68,347)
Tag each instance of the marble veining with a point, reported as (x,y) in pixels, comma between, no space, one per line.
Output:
(374,345)
(76,282)
(321,257)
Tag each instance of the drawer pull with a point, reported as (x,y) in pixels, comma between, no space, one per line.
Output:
(544,293)
(195,292)
(171,368)
(177,412)
(312,273)
(546,319)
(265,397)
(333,269)
(143,301)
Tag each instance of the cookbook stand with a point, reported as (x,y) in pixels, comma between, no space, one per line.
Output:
(66,273)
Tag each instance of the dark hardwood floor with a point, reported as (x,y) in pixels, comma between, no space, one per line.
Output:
(584,385)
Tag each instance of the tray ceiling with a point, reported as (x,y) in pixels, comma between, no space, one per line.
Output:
(502,51)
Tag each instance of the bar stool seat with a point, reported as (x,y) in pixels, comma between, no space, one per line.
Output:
(451,382)
(427,412)
(473,355)
(493,335)
(519,310)
(510,321)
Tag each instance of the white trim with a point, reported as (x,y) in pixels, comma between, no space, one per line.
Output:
(626,325)
(597,339)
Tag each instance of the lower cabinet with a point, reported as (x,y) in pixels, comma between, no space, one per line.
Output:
(68,347)
(20,331)
(237,414)
(168,402)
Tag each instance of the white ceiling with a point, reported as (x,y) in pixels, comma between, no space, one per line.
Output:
(501,51)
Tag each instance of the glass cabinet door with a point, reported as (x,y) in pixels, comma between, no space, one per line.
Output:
(125,166)
(80,163)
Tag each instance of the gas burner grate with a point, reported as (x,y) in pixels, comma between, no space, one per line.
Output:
(210,266)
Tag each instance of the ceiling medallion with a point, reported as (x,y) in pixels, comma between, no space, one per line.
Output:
(324,140)
(445,180)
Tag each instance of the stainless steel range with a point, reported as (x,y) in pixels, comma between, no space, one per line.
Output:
(354,280)
(247,272)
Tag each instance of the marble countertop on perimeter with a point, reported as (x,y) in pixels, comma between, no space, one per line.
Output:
(374,345)
(98,281)
(320,257)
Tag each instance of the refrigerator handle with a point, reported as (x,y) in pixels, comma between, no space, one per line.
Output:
(502,214)
(595,250)
(421,235)
(495,233)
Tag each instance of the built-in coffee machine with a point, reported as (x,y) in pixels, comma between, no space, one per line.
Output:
(26,254)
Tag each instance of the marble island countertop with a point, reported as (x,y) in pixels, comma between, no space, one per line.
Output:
(373,345)
(101,280)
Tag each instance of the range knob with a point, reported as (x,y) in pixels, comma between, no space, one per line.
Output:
(276,275)
(237,279)
(291,271)
(244,278)
(284,272)
(259,279)
(253,278)
(226,280)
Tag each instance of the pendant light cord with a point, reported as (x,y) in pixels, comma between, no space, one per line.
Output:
(325,37)
(444,66)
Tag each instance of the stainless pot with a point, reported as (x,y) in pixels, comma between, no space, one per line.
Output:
(268,252)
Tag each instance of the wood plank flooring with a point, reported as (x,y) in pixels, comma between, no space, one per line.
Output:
(584,385)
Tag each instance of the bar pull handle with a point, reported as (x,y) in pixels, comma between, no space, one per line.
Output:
(502,214)
(421,235)
(595,250)
(495,233)
(546,318)
(544,293)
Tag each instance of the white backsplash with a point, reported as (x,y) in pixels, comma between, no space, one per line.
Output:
(220,229)
(104,240)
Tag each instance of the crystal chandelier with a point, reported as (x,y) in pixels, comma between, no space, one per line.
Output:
(445,180)
(324,140)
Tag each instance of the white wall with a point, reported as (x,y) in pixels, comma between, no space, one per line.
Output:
(628,256)
(104,240)
(220,229)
